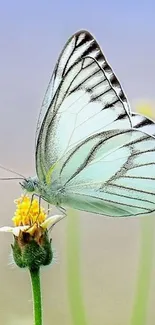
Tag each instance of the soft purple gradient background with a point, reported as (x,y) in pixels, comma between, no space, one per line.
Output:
(32,34)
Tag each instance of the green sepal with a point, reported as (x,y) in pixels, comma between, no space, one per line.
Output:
(17,254)
(32,253)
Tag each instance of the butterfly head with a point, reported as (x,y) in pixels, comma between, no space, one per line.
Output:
(30,184)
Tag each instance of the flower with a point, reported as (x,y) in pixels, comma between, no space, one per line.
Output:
(29,216)
(32,245)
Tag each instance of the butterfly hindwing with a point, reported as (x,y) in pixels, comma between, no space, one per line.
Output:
(143,124)
(111,174)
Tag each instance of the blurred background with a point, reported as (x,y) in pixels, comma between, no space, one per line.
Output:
(114,259)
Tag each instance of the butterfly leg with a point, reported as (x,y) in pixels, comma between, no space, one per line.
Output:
(62,210)
(32,197)
(48,209)
(39,197)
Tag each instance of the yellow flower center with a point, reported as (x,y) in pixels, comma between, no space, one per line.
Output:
(28,212)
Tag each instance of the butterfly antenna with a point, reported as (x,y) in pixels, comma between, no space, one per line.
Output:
(10,178)
(12,171)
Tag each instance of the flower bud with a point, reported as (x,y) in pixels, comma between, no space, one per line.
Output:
(32,250)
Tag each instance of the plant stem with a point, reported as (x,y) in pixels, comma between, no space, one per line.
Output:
(73,270)
(37,304)
(140,307)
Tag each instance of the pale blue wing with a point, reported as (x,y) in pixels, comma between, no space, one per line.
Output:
(82,99)
(82,44)
(111,173)
(143,124)
(80,156)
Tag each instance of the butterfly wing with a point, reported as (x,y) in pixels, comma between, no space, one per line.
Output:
(141,122)
(80,45)
(78,150)
(83,98)
(111,173)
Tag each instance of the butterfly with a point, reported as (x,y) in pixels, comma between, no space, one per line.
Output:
(92,153)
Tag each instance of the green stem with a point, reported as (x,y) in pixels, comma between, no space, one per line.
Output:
(37,305)
(73,270)
(139,313)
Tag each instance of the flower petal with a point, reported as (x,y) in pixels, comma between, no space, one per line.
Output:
(14,230)
(51,221)
(6,229)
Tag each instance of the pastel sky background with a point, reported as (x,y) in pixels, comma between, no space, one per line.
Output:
(32,34)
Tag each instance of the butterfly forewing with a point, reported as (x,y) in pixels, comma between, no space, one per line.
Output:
(80,45)
(84,104)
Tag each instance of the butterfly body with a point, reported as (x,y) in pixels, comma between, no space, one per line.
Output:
(92,153)
(34,186)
